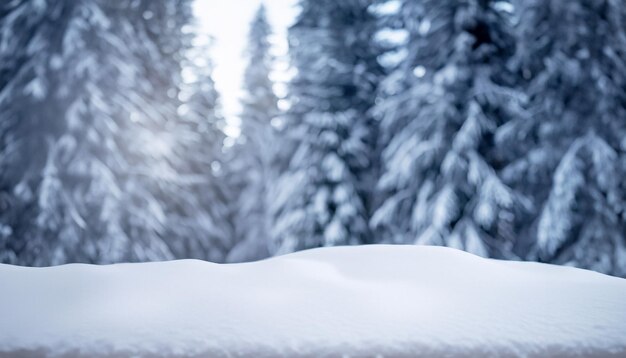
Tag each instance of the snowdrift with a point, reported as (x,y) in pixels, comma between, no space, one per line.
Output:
(385,301)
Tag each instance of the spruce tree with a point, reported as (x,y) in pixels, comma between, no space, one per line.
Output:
(442,106)
(91,195)
(199,223)
(73,213)
(322,197)
(109,174)
(252,160)
(30,59)
(568,154)
(152,146)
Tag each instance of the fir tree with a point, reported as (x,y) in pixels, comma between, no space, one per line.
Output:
(323,196)
(90,195)
(443,105)
(569,152)
(252,162)
(199,216)
(109,165)
(74,212)
(30,58)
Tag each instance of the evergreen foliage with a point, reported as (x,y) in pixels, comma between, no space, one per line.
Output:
(569,155)
(199,214)
(322,198)
(92,132)
(443,105)
(253,158)
(29,68)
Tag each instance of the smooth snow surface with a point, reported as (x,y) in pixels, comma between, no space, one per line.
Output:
(374,301)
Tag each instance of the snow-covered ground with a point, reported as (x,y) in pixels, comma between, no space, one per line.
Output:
(391,301)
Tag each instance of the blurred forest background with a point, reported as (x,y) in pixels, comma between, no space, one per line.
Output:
(493,126)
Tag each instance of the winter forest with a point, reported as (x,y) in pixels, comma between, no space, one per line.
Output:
(493,126)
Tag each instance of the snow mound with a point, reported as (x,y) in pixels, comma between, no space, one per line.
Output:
(385,301)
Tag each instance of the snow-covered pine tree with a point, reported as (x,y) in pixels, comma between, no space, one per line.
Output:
(90,93)
(252,160)
(581,223)
(399,102)
(199,214)
(569,154)
(29,61)
(441,108)
(174,204)
(322,197)
(155,41)
(87,194)
(66,130)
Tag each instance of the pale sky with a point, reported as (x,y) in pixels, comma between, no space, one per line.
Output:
(227,21)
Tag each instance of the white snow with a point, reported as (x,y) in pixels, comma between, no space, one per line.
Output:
(391,301)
